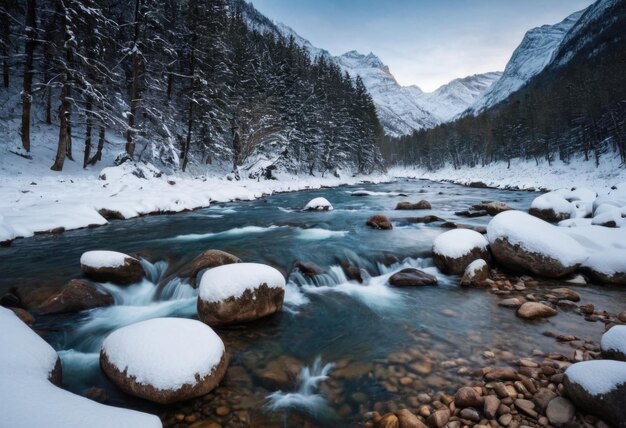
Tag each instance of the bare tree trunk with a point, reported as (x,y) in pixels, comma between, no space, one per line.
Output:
(134,87)
(68,148)
(98,156)
(192,89)
(29,51)
(88,126)
(63,129)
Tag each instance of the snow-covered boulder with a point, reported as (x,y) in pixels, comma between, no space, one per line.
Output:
(563,204)
(476,273)
(240,292)
(607,266)
(379,222)
(111,266)
(598,387)
(164,360)
(522,242)
(609,216)
(207,260)
(616,197)
(318,204)
(78,295)
(411,277)
(613,343)
(454,250)
(29,398)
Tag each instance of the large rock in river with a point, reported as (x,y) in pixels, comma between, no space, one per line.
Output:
(411,277)
(164,359)
(454,250)
(607,266)
(598,387)
(111,266)
(527,244)
(240,292)
(379,222)
(318,204)
(78,295)
(207,260)
(421,205)
(613,343)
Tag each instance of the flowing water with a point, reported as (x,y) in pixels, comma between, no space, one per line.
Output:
(351,342)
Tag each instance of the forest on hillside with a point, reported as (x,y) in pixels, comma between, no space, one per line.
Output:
(575,107)
(182,81)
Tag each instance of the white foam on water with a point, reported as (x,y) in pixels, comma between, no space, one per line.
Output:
(307,398)
(237,231)
(317,234)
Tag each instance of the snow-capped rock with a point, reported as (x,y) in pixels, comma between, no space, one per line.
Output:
(613,343)
(454,250)
(535,52)
(318,204)
(164,359)
(111,266)
(240,292)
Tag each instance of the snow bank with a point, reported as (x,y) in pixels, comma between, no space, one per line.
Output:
(29,399)
(227,281)
(319,204)
(101,258)
(597,376)
(459,242)
(615,339)
(536,236)
(165,353)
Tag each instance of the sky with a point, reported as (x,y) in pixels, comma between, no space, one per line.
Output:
(424,42)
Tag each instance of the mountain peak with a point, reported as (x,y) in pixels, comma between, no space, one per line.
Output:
(360,60)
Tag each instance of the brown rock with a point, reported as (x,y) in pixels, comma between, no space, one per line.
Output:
(500,374)
(512,302)
(129,384)
(352,272)
(24,315)
(587,309)
(128,273)
(565,294)
(533,310)
(470,414)
(407,419)
(411,277)
(421,205)
(207,260)
(279,374)
(467,397)
(548,214)
(475,277)
(543,397)
(439,418)
(560,411)
(250,306)
(308,269)
(379,222)
(388,421)
(526,406)
(456,266)
(78,295)
(490,408)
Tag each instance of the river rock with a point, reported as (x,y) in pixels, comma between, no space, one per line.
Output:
(543,397)
(598,387)
(78,295)
(406,419)
(560,411)
(207,260)
(439,418)
(475,274)
(308,269)
(379,222)
(318,204)
(240,292)
(512,302)
(565,294)
(467,397)
(470,414)
(280,373)
(491,406)
(525,244)
(111,266)
(613,343)
(411,277)
(421,205)
(492,208)
(533,310)
(454,250)
(164,360)
(500,374)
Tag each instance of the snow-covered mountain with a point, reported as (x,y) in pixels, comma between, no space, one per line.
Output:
(536,51)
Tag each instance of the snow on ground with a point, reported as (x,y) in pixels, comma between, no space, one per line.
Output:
(100,259)
(35,199)
(598,376)
(524,174)
(165,353)
(26,361)
(615,339)
(232,280)
(458,242)
(536,236)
